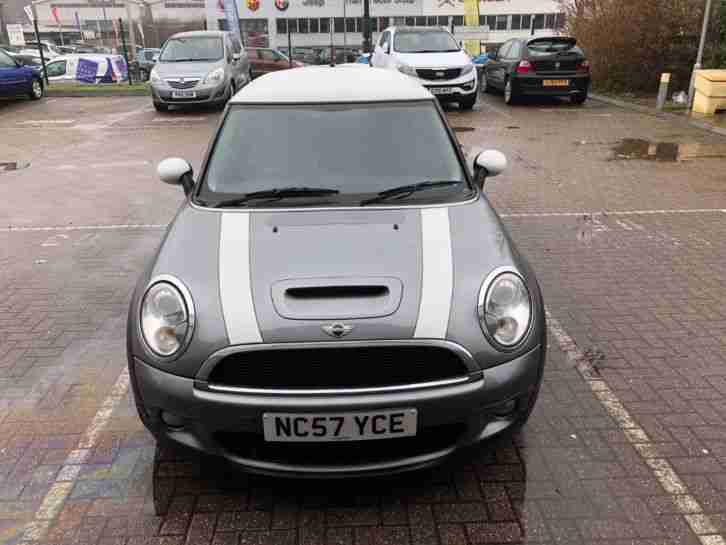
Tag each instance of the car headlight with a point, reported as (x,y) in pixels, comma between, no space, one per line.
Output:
(166,319)
(154,76)
(505,309)
(408,70)
(466,69)
(215,76)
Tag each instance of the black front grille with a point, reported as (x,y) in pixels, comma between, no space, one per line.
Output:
(186,84)
(340,453)
(555,66)
(337,367)
(432,74)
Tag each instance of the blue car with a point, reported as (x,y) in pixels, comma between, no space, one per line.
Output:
(19,80)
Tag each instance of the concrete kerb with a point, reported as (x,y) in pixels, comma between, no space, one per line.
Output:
(666,115)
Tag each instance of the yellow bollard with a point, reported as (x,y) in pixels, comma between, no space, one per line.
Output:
(710,91)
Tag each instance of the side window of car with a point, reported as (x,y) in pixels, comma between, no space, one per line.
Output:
(504,50)
(385,40)
(236,46)
(267,55)
(6,61)
(55,69)
(515,51)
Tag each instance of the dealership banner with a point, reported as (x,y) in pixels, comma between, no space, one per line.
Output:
(471,19)
(232,16)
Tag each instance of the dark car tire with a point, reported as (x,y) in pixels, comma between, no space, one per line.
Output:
(37,90)
(510,95)
(579,98)
(467,103)
(161,107)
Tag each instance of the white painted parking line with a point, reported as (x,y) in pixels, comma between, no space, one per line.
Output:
(180,119)
(65,479)
(612,213)
(119,227)
(46,122)
(115,164)
(684,503)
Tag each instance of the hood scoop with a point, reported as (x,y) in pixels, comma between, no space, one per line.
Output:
(336,298)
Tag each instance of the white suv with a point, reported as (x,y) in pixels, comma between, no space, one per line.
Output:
(433,57)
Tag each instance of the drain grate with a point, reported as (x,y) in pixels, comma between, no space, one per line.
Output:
(9,166)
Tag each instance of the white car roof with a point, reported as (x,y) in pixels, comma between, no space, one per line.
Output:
(327,84)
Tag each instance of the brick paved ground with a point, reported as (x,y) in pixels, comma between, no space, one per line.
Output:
(640,295)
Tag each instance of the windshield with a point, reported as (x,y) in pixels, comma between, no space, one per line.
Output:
(411,41)
(547,47)
(192,49)
(358,150)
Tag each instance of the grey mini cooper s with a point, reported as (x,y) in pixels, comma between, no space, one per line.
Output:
(335,296)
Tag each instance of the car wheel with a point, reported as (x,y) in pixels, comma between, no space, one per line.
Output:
(467,103)
(510,96)
(579,98)
(36,89)
(161,107)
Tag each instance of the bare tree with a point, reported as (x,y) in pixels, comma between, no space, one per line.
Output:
(630,43)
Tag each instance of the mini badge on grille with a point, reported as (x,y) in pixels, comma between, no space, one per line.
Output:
(337,330)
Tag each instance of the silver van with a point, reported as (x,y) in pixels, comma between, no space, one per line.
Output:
(200,67)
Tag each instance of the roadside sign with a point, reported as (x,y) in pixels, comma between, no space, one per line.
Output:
(29,12)
(15,34)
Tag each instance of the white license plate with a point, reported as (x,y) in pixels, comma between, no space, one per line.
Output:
(441,90)
(183,94)
(556,83)
(307,427)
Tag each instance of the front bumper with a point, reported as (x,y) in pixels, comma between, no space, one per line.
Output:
(205,94)
(229,424)
(457,89)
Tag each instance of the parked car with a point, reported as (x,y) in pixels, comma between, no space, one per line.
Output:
(19,80)
(31,61)
(50,50)
(145,61)
(88,68)
(433,57)
(542,66)
(343,313)
(266,60)
(11,49)
(201,67)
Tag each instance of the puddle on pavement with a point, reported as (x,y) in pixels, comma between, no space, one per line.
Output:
(9,166)
(463,129)
(637,148)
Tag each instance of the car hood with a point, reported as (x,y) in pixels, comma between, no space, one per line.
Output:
(434,60)
(185,69)
(284,276)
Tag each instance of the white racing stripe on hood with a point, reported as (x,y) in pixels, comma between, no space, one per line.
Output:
(438,274)
(234,279)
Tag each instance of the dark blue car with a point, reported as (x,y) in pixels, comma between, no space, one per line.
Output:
(19,80)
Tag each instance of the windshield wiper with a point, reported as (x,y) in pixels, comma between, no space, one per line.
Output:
(406,190)
(278,193)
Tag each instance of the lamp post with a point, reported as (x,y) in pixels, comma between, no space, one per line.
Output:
(699,57)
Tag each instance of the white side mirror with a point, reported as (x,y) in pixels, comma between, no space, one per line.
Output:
(236,56)
(176,171)
(492,162)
